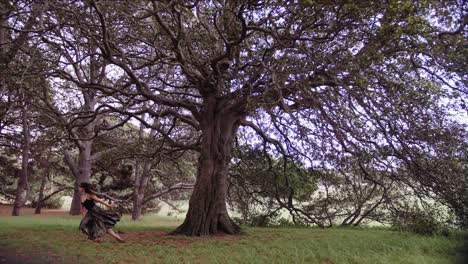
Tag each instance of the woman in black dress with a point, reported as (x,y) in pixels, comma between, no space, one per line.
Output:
(96,222)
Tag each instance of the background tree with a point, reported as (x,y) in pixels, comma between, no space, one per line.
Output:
(13,87)
(72,106)
(260,183)
(140,169)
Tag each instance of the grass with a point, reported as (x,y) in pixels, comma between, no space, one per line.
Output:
(57,239)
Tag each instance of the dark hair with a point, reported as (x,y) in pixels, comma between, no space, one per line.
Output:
(87,187)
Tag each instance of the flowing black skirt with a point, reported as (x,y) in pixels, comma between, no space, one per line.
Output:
(97,221)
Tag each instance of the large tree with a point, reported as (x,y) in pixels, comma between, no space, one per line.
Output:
(310,78)
(19,66)
(72,106)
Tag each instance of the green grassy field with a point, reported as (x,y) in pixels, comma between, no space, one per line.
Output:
(56,239)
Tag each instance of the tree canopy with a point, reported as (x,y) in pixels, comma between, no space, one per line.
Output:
(361,86)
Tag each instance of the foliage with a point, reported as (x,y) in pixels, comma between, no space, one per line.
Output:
(419,221)
(8,172)
(258,181)
(55,202)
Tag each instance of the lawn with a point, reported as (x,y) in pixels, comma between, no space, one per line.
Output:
(56,239)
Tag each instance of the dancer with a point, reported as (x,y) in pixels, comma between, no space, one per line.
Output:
(97,222)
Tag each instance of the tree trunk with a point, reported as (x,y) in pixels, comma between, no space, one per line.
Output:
(137,197)
(83,174)
(141,180)
(207,213)
(22,192)
(137,190)
(142,170)
(3,35)
(45,175)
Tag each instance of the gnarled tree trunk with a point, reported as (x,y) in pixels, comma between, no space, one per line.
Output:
(207,213)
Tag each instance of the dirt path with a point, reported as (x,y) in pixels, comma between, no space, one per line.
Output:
(5,210)
(8,256)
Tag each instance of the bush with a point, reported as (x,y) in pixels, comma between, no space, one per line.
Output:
(419,222)
(256,220)
(268,220)
(284,222)
(261,220)
(153,207)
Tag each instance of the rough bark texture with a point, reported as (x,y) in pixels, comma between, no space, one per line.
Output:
(141,180)
(207,212)
(142,173)
(83,174)
(136,210)
(22,192)
(84,129)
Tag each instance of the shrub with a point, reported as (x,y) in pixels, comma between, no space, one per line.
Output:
(261,220)
(257,219)
(419,222)
(152,207)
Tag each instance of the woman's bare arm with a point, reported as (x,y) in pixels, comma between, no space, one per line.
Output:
(97,199)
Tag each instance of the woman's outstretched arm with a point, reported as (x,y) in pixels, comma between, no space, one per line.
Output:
(97,199)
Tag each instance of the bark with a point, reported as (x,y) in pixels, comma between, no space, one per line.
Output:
(83,174)
(137,190)
(207,213)
(22,192)
(136,210)
(3,33)
(51,179)
(84,129)
(44,177)
(81,170)
(141,180)
(142,170)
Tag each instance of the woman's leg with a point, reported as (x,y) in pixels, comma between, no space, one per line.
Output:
(115,235)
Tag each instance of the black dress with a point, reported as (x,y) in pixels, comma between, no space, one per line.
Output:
(97,221)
